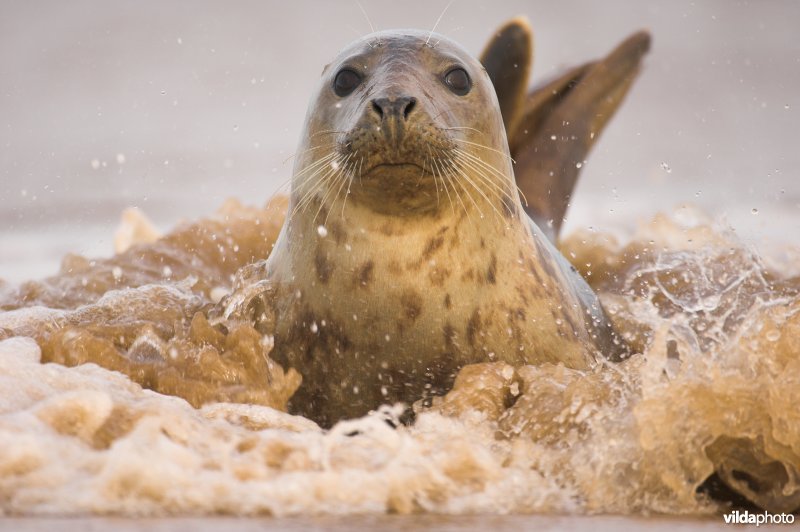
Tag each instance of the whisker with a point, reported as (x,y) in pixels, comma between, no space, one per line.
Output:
(495,195)
(312,148)
(319,162)
(465,158)
(449,179)
(342,182)
(309,194)
(465,175)
(371,27)
(444,183)
(314,168)
(301,205)
(466,127)
(506,179)
(506,191)
(335,179)
(346,179)
(437,22)
(350,184)
(326,132)
(291,178)
(329,176)
(435,180)
(466,191)
(358,33)
(504,154)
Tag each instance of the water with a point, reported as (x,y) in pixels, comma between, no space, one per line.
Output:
(713,389)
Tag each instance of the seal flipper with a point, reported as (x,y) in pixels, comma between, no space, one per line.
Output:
(507,59)
(559,123)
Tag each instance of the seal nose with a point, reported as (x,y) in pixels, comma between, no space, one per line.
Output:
(393,115)
(394,108)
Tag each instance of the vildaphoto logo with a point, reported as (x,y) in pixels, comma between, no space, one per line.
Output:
(737,517)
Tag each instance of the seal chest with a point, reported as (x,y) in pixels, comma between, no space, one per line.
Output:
(406,253)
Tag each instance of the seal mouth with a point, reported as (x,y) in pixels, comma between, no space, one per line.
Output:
(397,174)
(388,167)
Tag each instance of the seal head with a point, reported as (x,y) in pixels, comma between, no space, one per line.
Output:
(394,106)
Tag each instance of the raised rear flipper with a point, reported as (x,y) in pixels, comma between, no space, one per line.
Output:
(507,58)
(551,134)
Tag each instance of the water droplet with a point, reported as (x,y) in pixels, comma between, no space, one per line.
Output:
(552,137)
(95,164)
(754,211)
(116,271)
(578,165)
(217,293)
(666,168)
(786,107)
(773,336)
(120,158)
(322,231)
(314,327)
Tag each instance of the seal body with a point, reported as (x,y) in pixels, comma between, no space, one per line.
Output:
(406,253)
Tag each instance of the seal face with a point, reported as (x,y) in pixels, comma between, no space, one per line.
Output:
(406,253)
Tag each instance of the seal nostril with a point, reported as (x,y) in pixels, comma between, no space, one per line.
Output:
(393,108)
(412,102)
(377,108)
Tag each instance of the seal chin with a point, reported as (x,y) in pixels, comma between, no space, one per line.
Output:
(398,189)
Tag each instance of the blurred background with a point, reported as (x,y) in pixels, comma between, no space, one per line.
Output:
(174,106)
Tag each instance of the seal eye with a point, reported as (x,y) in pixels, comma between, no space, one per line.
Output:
(345,82)
(457,80)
